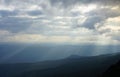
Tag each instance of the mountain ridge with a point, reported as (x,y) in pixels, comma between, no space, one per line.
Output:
(73,66)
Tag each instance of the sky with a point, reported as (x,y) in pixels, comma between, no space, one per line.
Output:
(60,21)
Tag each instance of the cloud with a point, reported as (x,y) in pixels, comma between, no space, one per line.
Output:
(110,28)
(6,13)
(35,13)
(37,38)
(14,24)
(67,3)
(64,19)
(91,21)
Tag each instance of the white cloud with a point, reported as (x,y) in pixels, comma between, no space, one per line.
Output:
(111,28)
(9,8)
(83,9)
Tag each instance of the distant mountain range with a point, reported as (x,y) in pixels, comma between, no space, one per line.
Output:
(25,53)
(73,66)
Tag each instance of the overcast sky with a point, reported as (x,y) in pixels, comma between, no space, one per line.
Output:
(60,21)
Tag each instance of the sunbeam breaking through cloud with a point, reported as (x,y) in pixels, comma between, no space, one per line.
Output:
(60,21)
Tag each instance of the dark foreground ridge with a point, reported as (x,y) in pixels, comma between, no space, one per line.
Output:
(73,66)
(113,71)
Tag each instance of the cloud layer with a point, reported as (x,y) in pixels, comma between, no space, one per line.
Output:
(60,21)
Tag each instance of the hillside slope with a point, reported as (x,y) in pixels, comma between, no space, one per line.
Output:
(76,67)
(113,71)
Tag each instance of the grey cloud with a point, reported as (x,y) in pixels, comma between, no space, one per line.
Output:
(91,21)
(35,13)
(104,13)
(16,20)
(98,16)
(113,35)
(14,24)
(116,37)
(30,25)
(6,13)
(67,3)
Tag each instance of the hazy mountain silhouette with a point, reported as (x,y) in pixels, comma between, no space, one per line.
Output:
(27,53)
(73,66)
(75,57)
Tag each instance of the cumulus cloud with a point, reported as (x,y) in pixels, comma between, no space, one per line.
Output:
(60,20)
(111,28)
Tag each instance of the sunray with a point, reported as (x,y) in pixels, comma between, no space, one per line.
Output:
(14,53)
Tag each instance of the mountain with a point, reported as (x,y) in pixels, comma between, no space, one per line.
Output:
(113,71)
(29,53)
(73,66)
(75,57)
